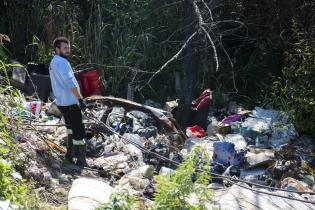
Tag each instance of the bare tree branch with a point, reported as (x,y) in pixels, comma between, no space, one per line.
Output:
(215,54)
(170,60)
(209,10)
(201,26)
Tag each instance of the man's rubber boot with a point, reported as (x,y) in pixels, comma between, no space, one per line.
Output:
(81,155)
(70,151)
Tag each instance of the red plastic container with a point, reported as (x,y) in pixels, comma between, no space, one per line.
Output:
(90,83)
(203,101)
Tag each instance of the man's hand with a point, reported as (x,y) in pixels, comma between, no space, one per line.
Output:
(82,104)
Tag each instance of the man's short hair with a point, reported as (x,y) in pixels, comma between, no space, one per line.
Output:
(59,40)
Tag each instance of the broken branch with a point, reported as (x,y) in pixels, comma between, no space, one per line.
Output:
(170,60)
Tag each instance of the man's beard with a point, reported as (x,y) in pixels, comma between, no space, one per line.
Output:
(64,55)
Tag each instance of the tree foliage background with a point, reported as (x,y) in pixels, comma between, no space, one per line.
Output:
(265,48)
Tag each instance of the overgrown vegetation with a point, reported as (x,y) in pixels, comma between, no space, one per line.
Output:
(129,40)
(190,179)
(122,201)
(294,91)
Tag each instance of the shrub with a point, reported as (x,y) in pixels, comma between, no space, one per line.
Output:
(294,91)
(190,178)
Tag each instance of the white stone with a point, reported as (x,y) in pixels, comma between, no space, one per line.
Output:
(136,183)
(145,171)
(88,194)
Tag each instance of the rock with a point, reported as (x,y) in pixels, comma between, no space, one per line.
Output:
(238,140)
(136,182)
(145,171)
(88,194)
(261,159)
(133,151)
(166,171)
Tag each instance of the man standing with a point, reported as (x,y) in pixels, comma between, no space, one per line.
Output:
(68,99)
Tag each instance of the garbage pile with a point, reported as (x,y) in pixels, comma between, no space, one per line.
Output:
(123,141)
(259,146)
(129,144)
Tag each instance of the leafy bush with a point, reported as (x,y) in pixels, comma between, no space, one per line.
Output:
(190,178)
(294,91)
(121,201)
(10,188)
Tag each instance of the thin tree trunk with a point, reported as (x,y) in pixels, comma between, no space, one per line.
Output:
(192,60)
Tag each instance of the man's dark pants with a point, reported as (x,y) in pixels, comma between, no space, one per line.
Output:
(76,133)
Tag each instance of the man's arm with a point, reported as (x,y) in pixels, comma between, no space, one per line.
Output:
(76,93)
